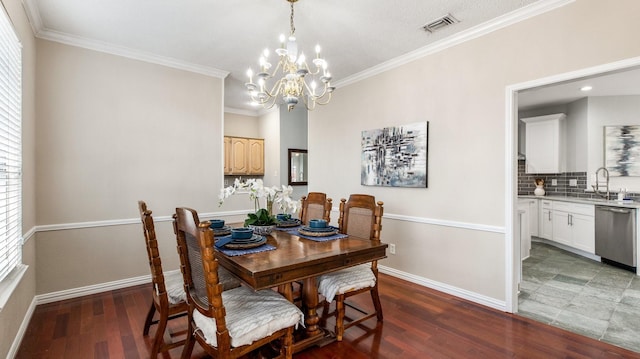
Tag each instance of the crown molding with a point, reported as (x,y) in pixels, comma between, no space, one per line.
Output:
(239,111)
(130,53)
(43,33)
(33,15)
(498,23)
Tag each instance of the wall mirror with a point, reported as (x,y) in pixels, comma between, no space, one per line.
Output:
(298,164)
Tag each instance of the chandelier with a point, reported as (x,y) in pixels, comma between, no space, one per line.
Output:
(295,79)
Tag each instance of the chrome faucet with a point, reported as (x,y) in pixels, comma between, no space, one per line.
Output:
(596,187)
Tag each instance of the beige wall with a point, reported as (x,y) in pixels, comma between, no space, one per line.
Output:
(270,131)
(461,92)
(13,313)
(112,131)
(241,125)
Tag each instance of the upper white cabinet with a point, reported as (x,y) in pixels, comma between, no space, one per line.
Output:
(545,143)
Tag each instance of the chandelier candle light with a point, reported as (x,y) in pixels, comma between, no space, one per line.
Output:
(296,80)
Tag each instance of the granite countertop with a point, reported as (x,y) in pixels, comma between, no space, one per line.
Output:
(594,201)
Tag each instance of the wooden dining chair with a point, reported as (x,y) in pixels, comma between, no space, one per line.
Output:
(315,205)
(361,216)
(169,299)
(231,323)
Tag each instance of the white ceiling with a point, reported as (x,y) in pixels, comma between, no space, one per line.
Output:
(225,37)
(618,83)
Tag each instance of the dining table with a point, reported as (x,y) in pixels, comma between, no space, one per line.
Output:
(299,259)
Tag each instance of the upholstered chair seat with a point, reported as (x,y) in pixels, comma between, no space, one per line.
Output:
(175,287)
(346,280)
(250,316)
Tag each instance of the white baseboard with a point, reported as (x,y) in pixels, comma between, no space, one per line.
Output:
(91,289)
(104,287)
(445,288)
(22,330)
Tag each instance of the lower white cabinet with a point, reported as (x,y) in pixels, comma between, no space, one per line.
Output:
(534,213)
(524,224)
(573,225)
(546,221)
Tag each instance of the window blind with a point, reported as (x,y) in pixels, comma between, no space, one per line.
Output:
(10,147)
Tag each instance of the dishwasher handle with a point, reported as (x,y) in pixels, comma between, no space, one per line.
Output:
(614,209)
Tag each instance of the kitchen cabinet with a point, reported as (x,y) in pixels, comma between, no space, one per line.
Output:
(534,214)
(574,225)
(545,143)
(525,232)
(227,155)
(546,222)
(256,156)
(243,156)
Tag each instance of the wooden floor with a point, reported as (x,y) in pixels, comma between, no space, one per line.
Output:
(419,323)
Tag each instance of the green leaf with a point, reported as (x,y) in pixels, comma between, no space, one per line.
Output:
(260,218)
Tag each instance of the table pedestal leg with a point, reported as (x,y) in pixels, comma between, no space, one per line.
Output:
(310,297)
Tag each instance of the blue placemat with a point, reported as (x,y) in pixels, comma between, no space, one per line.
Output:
(239,252)
(320,239)
(288,229)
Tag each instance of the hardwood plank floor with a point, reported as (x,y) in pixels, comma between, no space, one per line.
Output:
(419,323)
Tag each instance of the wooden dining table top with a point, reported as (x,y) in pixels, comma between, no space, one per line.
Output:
(296,258)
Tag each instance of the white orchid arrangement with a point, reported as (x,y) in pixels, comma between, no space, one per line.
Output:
(257,191)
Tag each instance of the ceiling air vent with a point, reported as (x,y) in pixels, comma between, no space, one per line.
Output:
(439,23)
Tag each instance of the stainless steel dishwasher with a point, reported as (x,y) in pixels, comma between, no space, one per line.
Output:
(616,235)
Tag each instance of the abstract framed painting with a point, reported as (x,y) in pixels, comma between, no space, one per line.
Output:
(395,156)
(622,150)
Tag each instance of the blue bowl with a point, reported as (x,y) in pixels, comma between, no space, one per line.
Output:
(317,223)
(216,223)
(241,233)
(283,216)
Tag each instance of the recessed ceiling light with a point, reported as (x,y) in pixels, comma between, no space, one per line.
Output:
(586,88)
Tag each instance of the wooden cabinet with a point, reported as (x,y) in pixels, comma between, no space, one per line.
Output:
(239,156)
(574,225)
(227,155)
(256,156)
(243,156)
(545,143)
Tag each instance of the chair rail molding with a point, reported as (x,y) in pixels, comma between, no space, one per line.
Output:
(206,216)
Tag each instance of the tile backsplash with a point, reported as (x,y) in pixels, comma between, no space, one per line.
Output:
(563,186)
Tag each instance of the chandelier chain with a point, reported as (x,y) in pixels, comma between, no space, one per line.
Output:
(293,28)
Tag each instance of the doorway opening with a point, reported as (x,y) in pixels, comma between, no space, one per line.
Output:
(551,293)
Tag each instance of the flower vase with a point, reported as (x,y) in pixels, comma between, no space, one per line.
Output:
(539,191)
(262,230)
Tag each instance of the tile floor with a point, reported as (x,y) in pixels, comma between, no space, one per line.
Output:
(581,295)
